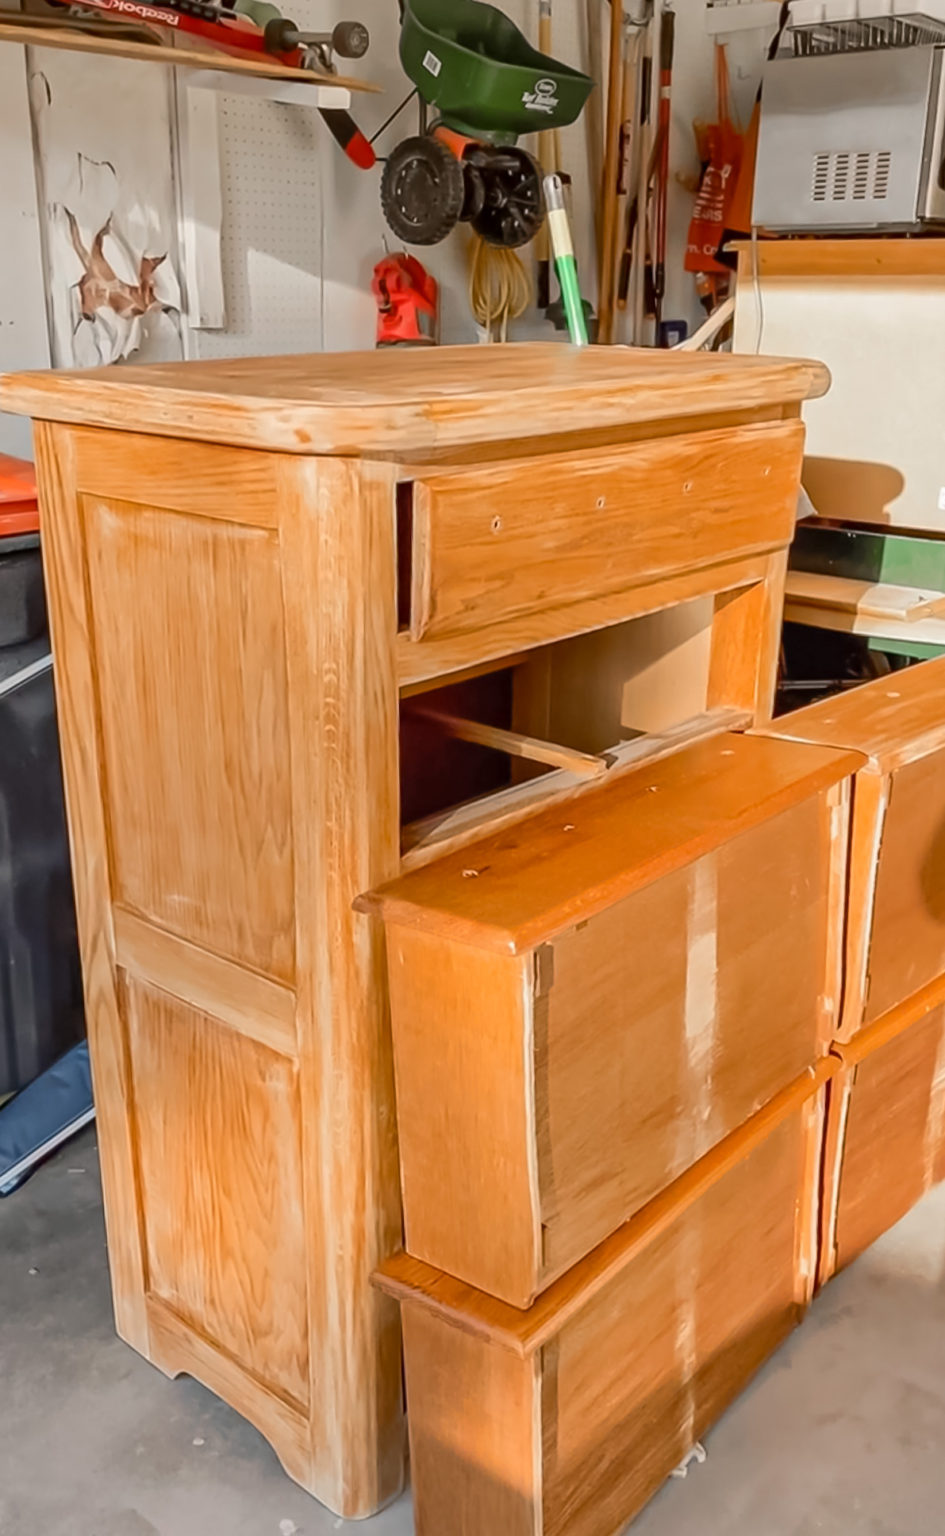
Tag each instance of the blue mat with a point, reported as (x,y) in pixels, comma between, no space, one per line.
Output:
(43,1115)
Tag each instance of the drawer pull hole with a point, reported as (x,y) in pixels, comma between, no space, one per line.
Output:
(687,487)
(601,503)
(470,874)
(496,525)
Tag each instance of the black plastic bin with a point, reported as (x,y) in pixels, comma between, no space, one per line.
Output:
(40,981)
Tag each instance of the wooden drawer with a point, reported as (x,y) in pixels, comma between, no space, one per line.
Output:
(886,1127)
(585,1004)
(494,544)
(896,909)
(563,1420)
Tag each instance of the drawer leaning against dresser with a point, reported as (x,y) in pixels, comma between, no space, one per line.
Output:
(583,1005)
(564,1419)
(493,544)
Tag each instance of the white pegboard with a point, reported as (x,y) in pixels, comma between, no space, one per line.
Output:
(272,230)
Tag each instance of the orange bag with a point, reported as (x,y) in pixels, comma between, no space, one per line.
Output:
(720,145)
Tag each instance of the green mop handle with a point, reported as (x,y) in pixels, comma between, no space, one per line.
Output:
(565,265)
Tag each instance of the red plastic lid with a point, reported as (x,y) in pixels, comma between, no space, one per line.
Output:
(19,512)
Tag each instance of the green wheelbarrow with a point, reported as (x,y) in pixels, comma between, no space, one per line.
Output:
(489,86)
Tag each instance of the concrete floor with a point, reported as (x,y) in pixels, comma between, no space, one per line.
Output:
(844,1432)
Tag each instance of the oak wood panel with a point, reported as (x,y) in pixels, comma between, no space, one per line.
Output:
(191,679)
(524,1331)
(908,928)
(896,906)
(70,623)
(642,1374)
(447,831)
(219,1139)
(177,476)
(252,1004)
(617,838)
(892,1149)
(638,1350)
(345,823)
(867,599)
(466,1109)
(501,542)
(483,1467)
(820,257)
(674,1017)
(596,1069)
(401,401)
(746,640)
(419,662)
(178,1349)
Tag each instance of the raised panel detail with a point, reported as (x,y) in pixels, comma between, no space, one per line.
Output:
(219,1138)
(190,652)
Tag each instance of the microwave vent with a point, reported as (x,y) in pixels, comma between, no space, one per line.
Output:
(851,176)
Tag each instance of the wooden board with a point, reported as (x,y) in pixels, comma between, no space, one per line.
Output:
(501,542)
(885,1143)
(28,32)
(896,930)
(229,755)
(399,400)
(613,841)
(856,257)
(566,1418)
(865,599)
(545,1095)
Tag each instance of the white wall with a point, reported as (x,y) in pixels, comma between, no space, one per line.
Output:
(302,227)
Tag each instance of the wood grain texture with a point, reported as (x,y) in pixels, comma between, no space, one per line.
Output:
(515,744)
(450,830)
(400,401)
(219,1140)
(416,663)
(746,640)
(191,678)
(588,1074)
(475,1473)
(177,476)
(889,1143)
(70,623)
(617,838)
(821,257)
(345,818)
(251,1004)
(895,941)
(635,1357)
(501,542)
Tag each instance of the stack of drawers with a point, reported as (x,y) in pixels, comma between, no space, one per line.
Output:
(612,1030)
(885,1141)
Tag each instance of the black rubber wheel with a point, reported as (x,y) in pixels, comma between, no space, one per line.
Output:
(350,39)
(422,191)
(514,209)
(474,193)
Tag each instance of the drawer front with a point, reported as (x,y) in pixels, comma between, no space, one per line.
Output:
(489,545)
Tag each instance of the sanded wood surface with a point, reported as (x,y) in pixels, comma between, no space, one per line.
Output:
(571,1084)
(859,257)
(398,400)
(500,542)
(886,1145)
(230,753)
(636,1352)
(895,942)
(509,894)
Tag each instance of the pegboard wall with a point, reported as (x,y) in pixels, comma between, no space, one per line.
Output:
(273,229)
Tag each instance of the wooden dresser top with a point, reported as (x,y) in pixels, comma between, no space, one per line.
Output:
(409,401)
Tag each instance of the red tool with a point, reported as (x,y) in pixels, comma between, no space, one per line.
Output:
(407,302)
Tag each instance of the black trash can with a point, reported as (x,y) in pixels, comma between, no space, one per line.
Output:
(40,980)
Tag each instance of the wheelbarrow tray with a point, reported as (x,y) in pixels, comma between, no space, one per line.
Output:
(472,63)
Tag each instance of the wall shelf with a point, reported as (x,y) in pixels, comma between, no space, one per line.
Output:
(306,85)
